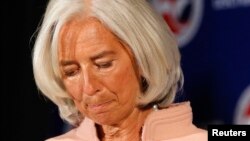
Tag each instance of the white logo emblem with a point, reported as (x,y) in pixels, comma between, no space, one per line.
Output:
(183,17)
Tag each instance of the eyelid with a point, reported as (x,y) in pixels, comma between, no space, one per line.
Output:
(104,64)
(70,71)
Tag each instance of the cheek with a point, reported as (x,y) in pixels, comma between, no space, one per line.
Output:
(124,80)
(80,107)
(73,88)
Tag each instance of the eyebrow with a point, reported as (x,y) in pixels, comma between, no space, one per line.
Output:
(97,56)
(66,62)
(102,54)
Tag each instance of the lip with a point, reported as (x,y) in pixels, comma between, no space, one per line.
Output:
(100,107)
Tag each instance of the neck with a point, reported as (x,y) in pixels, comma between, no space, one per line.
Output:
(127,130)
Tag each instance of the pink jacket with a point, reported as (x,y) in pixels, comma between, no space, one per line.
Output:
(171,124)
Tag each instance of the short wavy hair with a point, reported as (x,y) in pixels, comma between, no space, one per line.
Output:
(136,24)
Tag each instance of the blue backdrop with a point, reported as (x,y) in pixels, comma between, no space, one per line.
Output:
(214,40)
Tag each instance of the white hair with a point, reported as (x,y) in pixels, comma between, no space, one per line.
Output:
(136,24)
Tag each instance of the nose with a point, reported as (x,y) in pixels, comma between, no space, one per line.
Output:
(90,83)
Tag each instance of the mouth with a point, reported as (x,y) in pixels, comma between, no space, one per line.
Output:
(99,107)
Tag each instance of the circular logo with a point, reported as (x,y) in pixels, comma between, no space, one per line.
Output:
(242,110)
(182,16)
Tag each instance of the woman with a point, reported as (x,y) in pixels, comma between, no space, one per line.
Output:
(113,68)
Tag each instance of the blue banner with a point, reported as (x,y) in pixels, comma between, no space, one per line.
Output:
(214,40)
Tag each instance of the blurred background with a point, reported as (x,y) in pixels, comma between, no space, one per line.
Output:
(213,37)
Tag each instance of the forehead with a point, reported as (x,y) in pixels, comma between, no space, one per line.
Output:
(81,30)
(83,33)
(89,35)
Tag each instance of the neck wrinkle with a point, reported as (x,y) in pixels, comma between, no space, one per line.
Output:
(130,129)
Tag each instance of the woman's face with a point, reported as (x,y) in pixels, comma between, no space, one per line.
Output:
(98,71)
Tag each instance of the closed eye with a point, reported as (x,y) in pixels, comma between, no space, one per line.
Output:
(104,65)
(70,70)
(70,73)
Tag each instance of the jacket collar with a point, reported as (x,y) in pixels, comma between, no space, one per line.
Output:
(173,121)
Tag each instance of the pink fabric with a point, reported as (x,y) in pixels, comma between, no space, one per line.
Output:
(171,124)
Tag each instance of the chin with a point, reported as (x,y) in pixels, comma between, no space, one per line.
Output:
(104,119)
